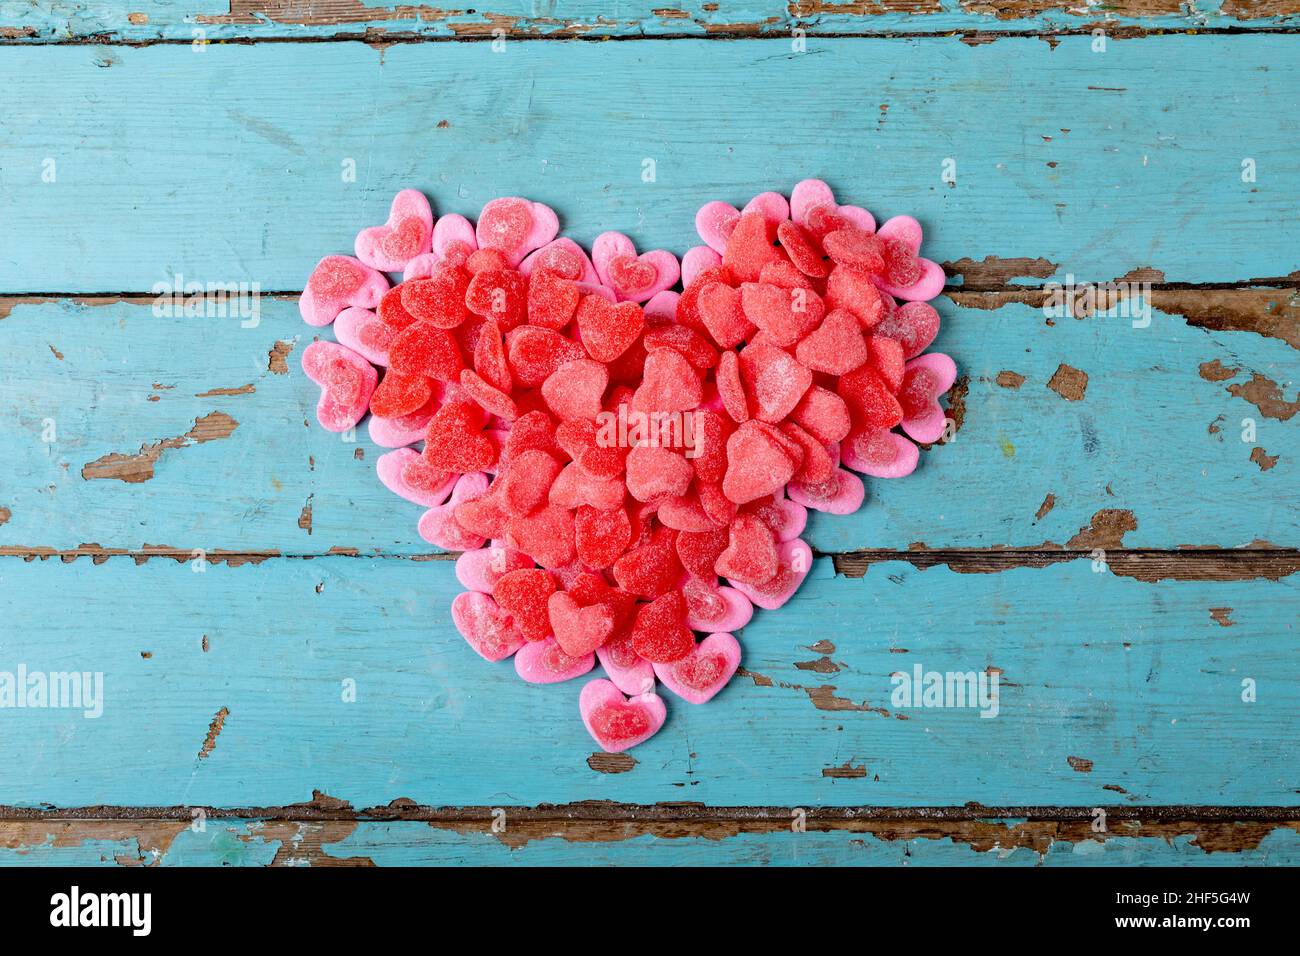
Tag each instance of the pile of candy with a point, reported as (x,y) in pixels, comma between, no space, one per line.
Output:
(603,449)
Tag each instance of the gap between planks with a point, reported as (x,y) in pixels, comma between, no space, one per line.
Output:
(379,38)
(303,837)
(324,808)
(1144,564)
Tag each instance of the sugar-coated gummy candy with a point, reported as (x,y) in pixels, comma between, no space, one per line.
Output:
(617,722)
(346,382)
(698,676)
(524,595)
(407,234)
(546,662)
(660,634)
(339,282)
(793,357)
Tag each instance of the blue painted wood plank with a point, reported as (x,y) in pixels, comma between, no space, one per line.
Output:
(281,843)
(1152,437)
(1111,691)
(215,20)
(1095,163)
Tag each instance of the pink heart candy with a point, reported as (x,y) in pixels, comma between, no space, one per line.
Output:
(516,227)
(405,429)
(786,518)
(914,325)
(925,379)
(336,283)
(715,222)
(362,332)
(697,259)
(482,568)
(544,662)
(880,453)
(406,235)
(398,432)
(485,626)
(617,722)
(629,671)
(795,561)
(811,193)
(634,278)
(346,382)
(605,292)
(840,494)
(698,676)
(713,608)
(564,257)
(905,229)
(439,525)
(774,207)
(391,468)
(923,289)
(662,308)
(452,232)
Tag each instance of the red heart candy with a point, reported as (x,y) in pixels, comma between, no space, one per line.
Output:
(499,294)
(803,250)
(455,441)
(535,353)
(608,330)
(823,414)
(854,291)
(579,630)
(660,634)
(650,569)
(575,389)
(757,463)
(671,384)
(601,536)
(546,534)
(720,311)
(526,483)
(699,551)
(524,594)
(400,394)
(774,381)
(438,300)
(749,248)
(856,248)
(552,299)
(836,346)
(887,359)
(657,473)
(869,398)
(784,314)
(422,349)
(750,556)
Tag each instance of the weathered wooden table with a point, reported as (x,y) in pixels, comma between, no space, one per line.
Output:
(1113,530)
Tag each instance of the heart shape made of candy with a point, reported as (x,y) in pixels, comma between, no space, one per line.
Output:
(623,446)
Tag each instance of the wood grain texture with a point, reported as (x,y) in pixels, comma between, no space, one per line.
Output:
(172,434)
(1121,672)
(152,20)
(1139,679)
(251,185)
